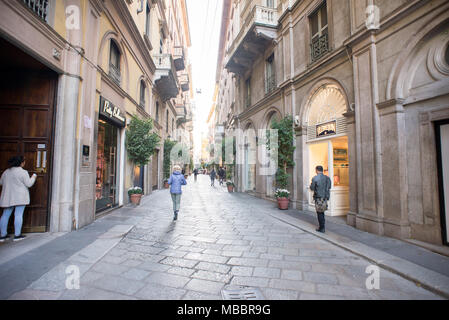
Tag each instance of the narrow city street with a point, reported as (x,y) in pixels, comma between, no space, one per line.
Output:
(220,241)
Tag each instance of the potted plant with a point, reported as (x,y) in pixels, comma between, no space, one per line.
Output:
(284,155)
(135,195)
(168,146)
(141,143)
(230,186)
(282,196)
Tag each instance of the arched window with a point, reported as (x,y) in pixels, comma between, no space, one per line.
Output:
(114,62)
(142,94)
(157,111)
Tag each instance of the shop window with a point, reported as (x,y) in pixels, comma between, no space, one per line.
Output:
(142,94)
(270,78)
(114,63)
(320,33)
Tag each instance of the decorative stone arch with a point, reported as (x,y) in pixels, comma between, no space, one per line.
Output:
(399,79)
(105,44)
(148,97)
(315,89)
(269,115)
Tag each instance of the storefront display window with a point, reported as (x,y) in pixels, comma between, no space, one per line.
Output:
(106,179)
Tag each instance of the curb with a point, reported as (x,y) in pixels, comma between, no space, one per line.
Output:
(425,278)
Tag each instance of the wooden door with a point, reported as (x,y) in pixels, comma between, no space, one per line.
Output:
(26,128)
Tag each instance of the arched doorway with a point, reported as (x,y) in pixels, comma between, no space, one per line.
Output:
(327,144)
(250,157)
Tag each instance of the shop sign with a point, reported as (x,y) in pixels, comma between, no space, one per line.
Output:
(112,112)
(326,129)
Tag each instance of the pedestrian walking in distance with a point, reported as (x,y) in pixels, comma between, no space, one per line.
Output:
(15,196)
(222,175)
(321,186)
(176,182)
(213,175)
(195,173)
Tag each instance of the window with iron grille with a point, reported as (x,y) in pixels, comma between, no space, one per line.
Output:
(320,33)
(248,92)
(270,77)
(270,3)
(39,7)
(166,122)
(142,94)
(147,23)
(114,63)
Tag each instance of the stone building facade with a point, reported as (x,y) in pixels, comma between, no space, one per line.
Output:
(367,84)
(74,72)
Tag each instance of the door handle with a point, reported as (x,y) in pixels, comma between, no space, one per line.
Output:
(41,162)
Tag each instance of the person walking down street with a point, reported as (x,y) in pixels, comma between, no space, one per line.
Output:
(15,196)
(321,186)
(195,173)
(212,175)
(222,175)
(176,182)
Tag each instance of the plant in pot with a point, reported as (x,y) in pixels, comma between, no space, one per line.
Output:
(230,186)
(284,153)
(141,143)
(282,196)
(135,194)
(168,146)
(229,179)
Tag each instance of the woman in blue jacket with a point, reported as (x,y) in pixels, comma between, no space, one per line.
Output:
(176,181)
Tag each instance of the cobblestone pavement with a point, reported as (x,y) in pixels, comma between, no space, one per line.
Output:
(223,240)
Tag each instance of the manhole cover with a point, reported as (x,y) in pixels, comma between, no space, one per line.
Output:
(242,294)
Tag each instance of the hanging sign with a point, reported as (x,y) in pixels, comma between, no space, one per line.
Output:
(112,112)
(326,129)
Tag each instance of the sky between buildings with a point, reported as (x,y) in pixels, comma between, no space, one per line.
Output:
(205,24)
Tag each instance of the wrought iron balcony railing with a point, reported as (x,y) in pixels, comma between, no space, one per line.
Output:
(319,47)
(39,7)
(115,74)
(270,84)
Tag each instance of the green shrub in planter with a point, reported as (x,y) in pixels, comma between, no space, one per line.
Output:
(135,190)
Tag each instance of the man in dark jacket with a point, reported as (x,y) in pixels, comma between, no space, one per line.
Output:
(221,174)
(213,175)
(195,173)
(321,186)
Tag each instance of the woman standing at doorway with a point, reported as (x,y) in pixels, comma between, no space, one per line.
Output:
(15,182)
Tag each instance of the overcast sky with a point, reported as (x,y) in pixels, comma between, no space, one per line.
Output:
(205,24)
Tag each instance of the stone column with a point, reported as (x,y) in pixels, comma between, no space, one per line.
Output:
(394,169)
(352,150)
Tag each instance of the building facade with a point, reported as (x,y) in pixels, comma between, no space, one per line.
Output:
(74,73)
(367,84)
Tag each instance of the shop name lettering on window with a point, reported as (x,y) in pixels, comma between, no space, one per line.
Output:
(112,111)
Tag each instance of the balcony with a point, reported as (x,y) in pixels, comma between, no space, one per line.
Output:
(115,74)
(39,7)
(257,33)
(179,58)
(165,77)
(184,81)
(319,47)
(270,84)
